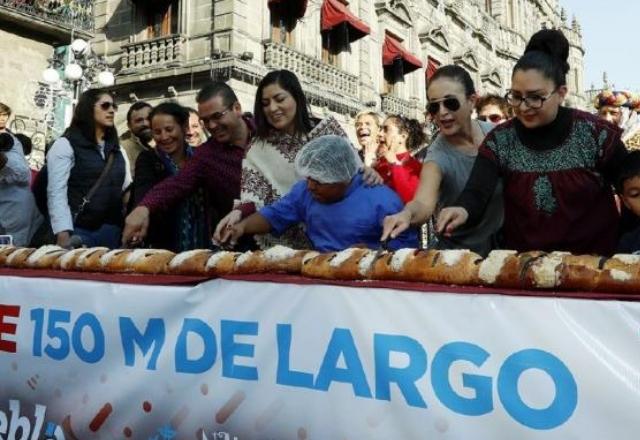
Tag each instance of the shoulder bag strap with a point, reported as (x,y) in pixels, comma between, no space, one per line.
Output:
(86,199)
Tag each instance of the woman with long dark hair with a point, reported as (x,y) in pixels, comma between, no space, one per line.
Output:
(558,164)
(185,227)
(283,125)
(75,163)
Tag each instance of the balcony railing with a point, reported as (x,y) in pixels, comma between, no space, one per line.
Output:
(310,69)
(166,51)
(73,14)
(392,105)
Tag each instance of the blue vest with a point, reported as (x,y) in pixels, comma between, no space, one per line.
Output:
(105,206)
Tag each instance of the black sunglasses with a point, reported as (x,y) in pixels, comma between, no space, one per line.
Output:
(451,104)
(495,118)
(107,105)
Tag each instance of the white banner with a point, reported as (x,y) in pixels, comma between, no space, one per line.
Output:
(247,360)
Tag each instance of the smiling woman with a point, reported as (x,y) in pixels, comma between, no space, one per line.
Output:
(448,163)
(558,164)
(283,126)
(185,227)
(87,174)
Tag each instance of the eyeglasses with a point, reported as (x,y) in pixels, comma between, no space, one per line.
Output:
(107,105)
(214,117)
(532,101)
(451,104)
(495,118)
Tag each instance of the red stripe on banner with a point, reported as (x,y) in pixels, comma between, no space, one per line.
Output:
(178,280)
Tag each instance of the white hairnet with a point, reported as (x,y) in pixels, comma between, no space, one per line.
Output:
(328,159)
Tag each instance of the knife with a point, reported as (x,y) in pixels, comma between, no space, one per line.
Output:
(384,246)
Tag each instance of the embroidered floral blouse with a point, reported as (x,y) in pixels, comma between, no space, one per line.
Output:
(557,183)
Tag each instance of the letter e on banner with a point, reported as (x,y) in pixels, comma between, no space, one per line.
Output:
(8,328)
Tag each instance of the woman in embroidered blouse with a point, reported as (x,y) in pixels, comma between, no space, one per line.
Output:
(185,228)
(448,163)
(283,126)
(396,165)
(558,164)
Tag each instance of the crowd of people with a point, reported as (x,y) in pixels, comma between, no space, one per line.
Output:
(520,172)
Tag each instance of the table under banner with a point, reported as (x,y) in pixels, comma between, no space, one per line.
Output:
(96,356)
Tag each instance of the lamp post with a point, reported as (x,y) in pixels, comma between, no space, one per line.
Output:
(81,69)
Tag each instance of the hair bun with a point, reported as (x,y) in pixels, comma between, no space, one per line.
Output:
(553,43)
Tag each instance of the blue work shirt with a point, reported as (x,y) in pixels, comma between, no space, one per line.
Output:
(356,219)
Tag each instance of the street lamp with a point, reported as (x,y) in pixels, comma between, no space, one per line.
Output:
(83,68)
(72,72)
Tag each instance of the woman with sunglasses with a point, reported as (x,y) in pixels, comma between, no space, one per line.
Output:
(558,164)
(185,226)
(283,127)
(75,163)
(399,138)
(448,163)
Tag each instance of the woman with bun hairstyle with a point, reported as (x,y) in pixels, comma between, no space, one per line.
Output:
(558,164)
(399,138)
(448,163)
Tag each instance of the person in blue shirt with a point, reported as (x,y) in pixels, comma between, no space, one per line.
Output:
(336,207)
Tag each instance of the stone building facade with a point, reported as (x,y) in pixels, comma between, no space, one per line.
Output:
(168,49)
(191,42)
(32,32)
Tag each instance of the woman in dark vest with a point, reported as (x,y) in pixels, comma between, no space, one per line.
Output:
(186,226)
(75,163)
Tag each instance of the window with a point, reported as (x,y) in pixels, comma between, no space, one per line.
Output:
(333,42)
(282,24)
(487,7)
(161,18)
(339,28)
(396,62)
(511,17)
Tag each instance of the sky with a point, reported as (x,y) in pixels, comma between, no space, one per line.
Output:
(611,38)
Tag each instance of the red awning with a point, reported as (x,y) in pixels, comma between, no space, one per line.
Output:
(334,13)
(392,50)
(432,66)
(297,7)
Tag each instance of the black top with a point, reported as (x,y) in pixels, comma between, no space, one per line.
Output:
(485,173)
(150,170)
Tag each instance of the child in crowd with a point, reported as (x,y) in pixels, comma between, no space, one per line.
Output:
(628,188)
(334,204)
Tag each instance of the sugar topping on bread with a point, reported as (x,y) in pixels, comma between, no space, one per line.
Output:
(341,257)
(366,263)
(215,259)
(491,267)
(42,251)
(627,258)
(105,259)
(179,259)
(545,270)
(279,253)
(619,275)
(399,257)
(451,257)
